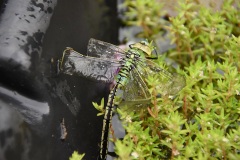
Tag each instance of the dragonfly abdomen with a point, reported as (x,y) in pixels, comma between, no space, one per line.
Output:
(106,123)
(122,79)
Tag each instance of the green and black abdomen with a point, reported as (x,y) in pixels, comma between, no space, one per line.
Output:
(121,80)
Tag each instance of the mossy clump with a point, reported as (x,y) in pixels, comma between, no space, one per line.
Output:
(202,121)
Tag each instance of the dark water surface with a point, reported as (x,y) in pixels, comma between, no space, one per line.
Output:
(34,100)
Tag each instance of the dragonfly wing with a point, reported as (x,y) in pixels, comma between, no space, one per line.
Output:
(174,85)
(170,83)
(90,67)
(104,50)
(136,94)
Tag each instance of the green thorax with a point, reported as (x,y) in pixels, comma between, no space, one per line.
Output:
(133,58)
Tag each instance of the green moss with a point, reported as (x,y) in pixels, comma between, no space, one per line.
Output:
(202,122)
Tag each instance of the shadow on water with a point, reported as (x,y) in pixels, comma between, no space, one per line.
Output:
(33,102)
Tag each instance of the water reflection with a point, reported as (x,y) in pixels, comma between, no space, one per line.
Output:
(30,117)
(32,110)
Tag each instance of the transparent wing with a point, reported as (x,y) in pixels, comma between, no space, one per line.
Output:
(135,94)
(169,83)
(90,67)
(104,50)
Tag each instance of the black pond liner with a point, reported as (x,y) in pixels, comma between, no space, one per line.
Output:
(34,100)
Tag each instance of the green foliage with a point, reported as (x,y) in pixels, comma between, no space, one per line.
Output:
(137,13)
(76,156)
(203,33)
(99,107)
(202,121)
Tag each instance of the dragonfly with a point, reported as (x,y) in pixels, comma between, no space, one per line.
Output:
(125,71)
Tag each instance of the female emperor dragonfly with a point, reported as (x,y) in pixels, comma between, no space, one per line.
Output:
(124,70)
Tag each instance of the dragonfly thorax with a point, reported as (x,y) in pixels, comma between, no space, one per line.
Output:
(128,63)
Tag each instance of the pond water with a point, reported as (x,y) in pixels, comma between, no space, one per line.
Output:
(34,100)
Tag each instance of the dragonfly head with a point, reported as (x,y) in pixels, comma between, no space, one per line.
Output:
(145,47)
